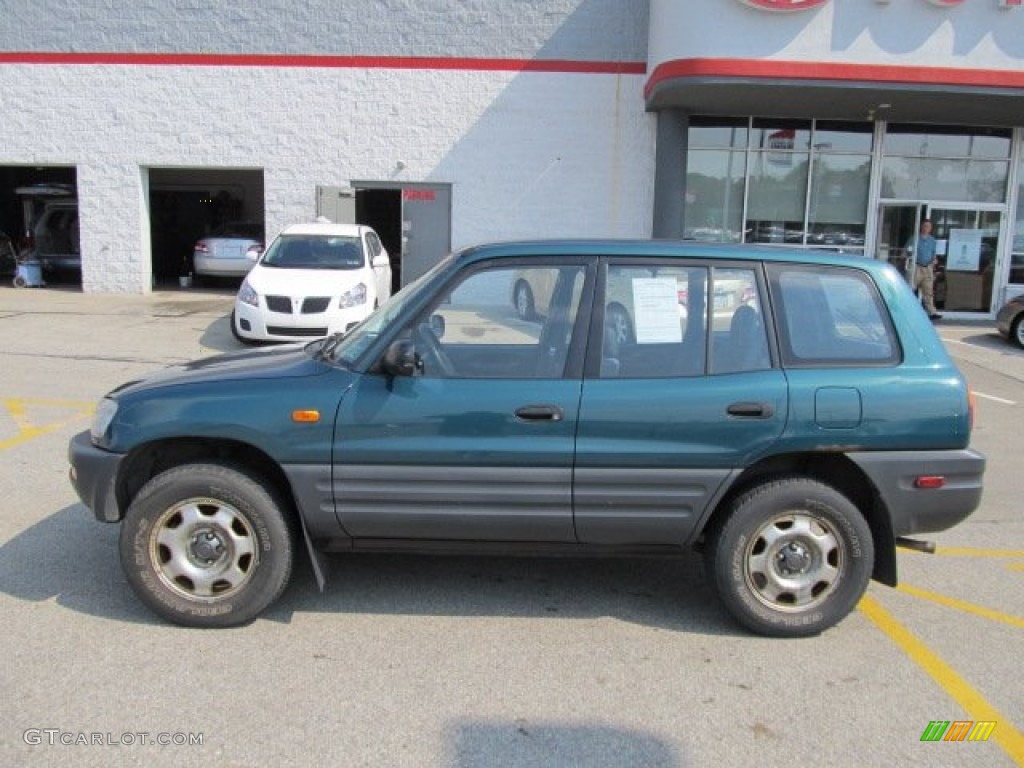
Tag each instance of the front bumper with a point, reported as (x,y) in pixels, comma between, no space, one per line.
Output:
(261,323)
(914,510)
(94,475)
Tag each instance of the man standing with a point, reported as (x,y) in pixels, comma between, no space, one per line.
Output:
(921,254)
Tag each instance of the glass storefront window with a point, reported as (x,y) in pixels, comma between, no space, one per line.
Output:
(839,200)
(718,133)
(777,196)
(714,195)
(947,141)
(836,136)
(918,178)
(781,135)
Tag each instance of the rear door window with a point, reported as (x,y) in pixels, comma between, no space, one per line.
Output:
(831,316)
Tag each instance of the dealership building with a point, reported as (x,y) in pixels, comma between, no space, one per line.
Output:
(817,124)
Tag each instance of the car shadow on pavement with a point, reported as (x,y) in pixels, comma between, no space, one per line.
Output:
(217,337)
(663,592)
(71,558)
(992,341)
(522,742)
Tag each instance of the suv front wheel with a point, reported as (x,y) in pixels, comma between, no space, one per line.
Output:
(792,557)
(206,545)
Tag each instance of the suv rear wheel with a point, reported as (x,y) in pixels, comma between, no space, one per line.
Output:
(206,545)
(792,557)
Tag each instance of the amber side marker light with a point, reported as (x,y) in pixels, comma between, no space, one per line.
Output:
(306,417)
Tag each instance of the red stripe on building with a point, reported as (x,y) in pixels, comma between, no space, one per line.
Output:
(767,69)
(329,62)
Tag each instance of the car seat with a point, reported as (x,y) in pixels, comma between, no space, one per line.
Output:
(748,347)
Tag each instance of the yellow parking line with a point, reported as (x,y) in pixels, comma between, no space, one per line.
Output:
(960,605)
(973,703)
(18,410)
(1016,567)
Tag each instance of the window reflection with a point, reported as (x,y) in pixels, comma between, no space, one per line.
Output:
(947,141)
(714,195)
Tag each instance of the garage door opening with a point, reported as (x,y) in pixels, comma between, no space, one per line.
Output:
(414,222)
(381,209)
(187,205)
(39,221)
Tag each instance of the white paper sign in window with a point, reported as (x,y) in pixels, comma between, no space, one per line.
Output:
(656,310)
(964,254)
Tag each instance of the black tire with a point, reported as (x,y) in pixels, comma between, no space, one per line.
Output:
(1017,331)
(791,558)
(207,545)
(522,298)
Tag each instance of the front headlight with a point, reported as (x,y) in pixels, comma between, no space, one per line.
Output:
(105,411)
(353,297)
(247,295)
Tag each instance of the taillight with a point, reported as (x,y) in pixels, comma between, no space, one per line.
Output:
(202,247)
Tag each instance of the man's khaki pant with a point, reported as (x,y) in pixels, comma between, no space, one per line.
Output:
(924,285)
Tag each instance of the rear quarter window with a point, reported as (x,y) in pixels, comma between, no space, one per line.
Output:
(831,316)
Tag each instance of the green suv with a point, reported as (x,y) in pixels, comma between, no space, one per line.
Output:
(789,414)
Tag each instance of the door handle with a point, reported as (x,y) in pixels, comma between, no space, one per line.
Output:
(539,413)
(750,410)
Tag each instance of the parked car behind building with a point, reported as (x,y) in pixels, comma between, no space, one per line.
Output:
(225,251)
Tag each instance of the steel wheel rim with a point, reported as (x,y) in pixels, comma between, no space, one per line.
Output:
(794,562)
(1018,329)
(203,549)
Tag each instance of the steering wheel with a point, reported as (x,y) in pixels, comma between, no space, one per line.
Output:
(437,359)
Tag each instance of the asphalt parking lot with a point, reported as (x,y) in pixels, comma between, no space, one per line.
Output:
(471,662)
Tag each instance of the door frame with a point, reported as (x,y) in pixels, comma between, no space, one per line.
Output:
(1000,269)
(1000,273)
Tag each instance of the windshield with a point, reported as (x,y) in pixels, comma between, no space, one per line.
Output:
(239,229)
(314,252)
(349,349)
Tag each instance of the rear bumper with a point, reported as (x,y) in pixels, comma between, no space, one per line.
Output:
(914,510)
(93,475)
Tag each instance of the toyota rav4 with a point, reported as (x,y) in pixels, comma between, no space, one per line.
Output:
(790,428)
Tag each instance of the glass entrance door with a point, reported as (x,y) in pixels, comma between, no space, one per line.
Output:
(897,225)
(968,243)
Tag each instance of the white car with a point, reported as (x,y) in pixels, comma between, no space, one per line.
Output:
(314,280)
(224,251)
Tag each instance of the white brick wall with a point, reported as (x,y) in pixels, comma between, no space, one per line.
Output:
(528,154)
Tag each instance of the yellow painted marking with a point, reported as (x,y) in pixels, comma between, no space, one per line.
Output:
(969,552)
(973,703)
(961,605)
(1016,567)
(27,430)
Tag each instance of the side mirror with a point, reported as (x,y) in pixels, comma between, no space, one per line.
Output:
(381,260)
(400,359)
(253,252)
